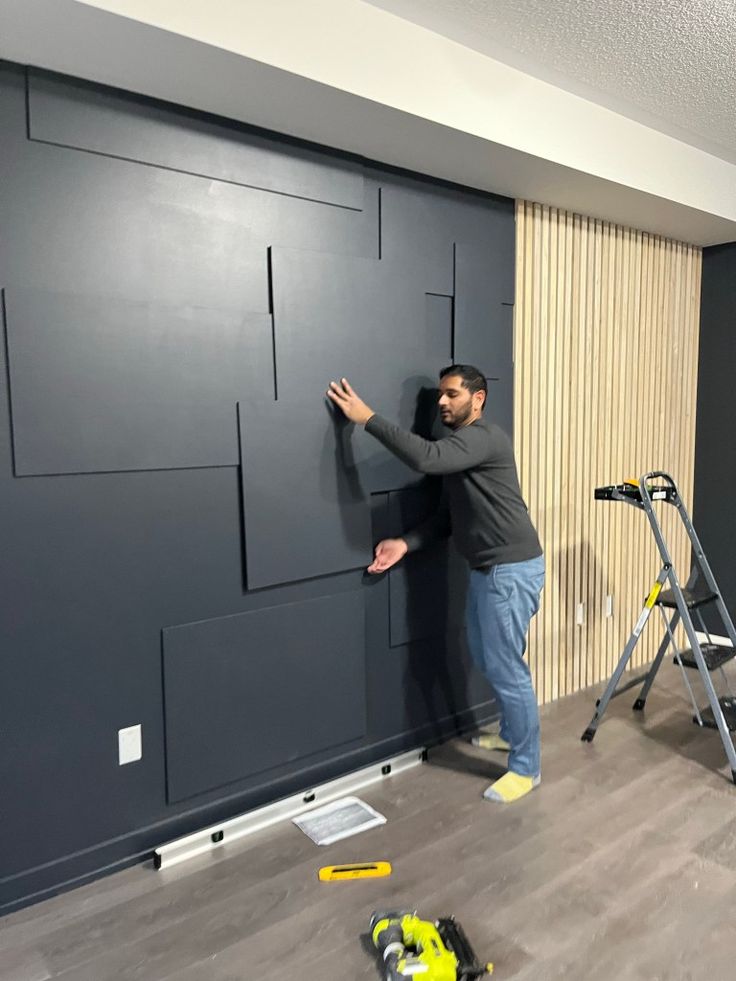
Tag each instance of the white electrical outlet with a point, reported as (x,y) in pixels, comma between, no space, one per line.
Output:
(609,606)
(130,745)
(580,614)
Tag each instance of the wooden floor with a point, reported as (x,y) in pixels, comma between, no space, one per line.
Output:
(622,865)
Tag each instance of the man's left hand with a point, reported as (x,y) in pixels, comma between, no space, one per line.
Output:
(354,407)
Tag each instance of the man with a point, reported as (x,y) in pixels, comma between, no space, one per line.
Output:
(491,527)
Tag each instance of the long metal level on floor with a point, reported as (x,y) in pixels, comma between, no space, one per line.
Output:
(225,832)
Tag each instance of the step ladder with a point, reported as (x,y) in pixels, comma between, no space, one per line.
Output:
(684,602)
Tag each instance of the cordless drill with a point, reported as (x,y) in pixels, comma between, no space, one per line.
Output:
(437,951)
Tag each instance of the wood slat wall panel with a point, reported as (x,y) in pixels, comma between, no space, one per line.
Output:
(606,352)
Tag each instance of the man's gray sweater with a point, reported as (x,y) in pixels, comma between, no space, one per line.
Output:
(484,510)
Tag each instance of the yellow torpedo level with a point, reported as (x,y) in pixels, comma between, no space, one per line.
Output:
(361,870)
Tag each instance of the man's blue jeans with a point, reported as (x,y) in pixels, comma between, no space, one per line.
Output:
(501,602)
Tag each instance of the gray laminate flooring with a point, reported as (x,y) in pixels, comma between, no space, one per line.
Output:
(622,865)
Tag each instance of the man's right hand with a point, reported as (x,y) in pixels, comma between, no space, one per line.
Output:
(388,553)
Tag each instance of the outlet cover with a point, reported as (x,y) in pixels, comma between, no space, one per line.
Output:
(130,745)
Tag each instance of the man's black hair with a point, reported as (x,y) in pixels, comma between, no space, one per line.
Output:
(473,379)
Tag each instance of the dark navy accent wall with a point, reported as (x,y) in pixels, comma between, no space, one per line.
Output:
(185,522)
(715,457)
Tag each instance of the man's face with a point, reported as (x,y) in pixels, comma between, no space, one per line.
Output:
(456,403)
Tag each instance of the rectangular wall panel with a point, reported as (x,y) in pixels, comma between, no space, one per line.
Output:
(439,321)
(368,321)
(419,587)
(98,226)
(420,227)
(335,315)
(76,114)
(254,691)
(483,324)
(106,384)
(500,399)
(306,510)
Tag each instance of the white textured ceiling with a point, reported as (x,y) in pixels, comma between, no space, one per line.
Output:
(670,64)
(349,75)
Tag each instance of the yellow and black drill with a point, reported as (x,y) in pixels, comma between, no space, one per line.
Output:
(437,951)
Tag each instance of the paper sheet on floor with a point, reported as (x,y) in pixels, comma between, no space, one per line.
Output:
(338,820)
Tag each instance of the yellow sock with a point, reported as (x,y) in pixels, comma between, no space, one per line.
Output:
(510,787)
(490,740)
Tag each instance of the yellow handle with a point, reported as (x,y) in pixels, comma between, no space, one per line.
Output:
(652,597)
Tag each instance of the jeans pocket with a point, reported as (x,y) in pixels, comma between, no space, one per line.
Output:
(501,583)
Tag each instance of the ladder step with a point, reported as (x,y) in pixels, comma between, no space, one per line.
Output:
(667,598)
(714,655)
(728,707)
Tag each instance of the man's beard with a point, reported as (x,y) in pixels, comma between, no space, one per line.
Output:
(461,418)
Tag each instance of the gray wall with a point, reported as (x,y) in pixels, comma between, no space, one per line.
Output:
(185,520)
(715,457)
